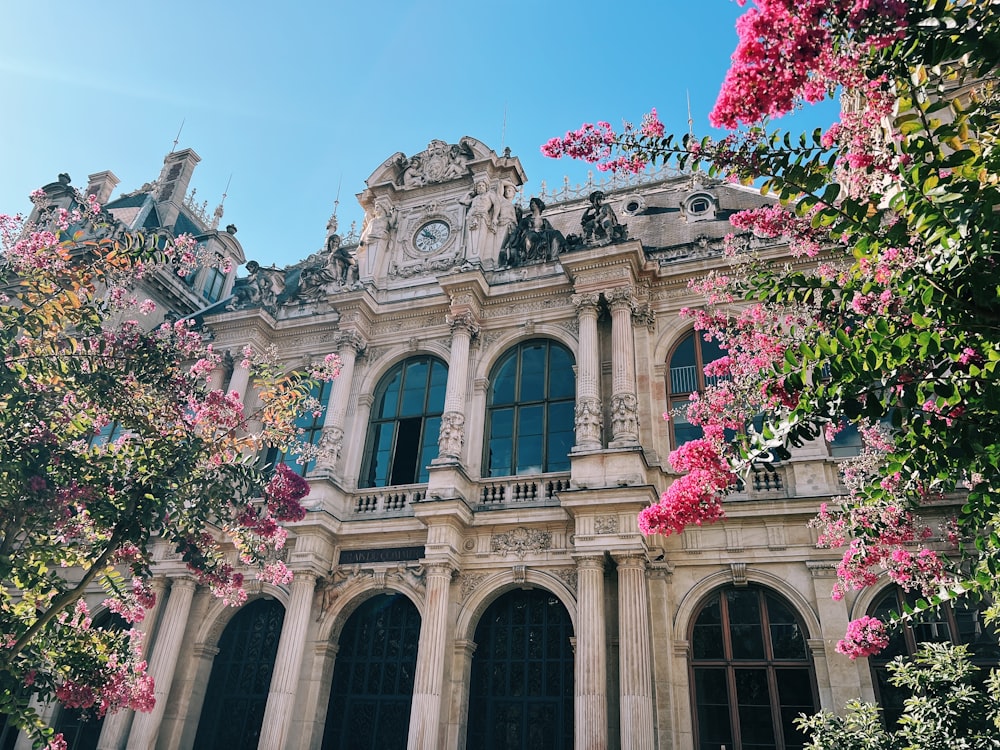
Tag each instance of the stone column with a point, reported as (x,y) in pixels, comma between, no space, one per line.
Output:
(288,663)
(239,381)
(624,417)
(451,439)
(634,656)
(166,651)
(425,715)
(591,704)
(349,346)
(588,375)
(114,731)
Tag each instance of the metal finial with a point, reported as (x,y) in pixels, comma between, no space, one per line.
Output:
(177,138)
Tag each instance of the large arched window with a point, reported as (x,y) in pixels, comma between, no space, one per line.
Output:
(373,676)
(521,691)
(405,423)
(81,728)
(962,623)
(530,420)
(751,674)
(310,429)
(686,375)
(233,711)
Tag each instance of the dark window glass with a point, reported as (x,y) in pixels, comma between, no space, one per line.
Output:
(530,415)
(750,671)
(373,677)
(521,689)
(686,375)
(405,424)
(214,282)
(241,678)
(962,623)
(310,429)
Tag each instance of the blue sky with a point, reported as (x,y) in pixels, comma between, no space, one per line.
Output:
(293,100)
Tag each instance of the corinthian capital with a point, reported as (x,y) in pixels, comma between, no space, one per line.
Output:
(620,297)
(351,340)
(463,321)
(586,302)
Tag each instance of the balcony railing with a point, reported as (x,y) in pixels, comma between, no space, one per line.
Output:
(540,490)
(389,500)
(764,483)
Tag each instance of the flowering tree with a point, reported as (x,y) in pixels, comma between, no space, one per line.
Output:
(895,328)
(110,438)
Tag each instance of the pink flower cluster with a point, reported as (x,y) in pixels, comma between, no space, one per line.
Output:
(694,498)
(594,144)
(283,493)
(779,221)
(787,53)
(865,636)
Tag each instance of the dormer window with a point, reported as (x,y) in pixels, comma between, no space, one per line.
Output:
(700,207)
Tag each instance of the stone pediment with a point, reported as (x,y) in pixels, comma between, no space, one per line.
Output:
(439,162)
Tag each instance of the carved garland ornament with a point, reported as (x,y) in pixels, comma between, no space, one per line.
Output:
(520,541)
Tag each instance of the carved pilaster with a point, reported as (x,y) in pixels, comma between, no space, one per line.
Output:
(588,421)
(463,321)
(588,400)
(452,435)
(624,415)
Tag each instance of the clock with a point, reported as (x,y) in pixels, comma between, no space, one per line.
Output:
(432,236)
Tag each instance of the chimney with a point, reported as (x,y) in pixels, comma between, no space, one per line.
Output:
(173,184)
(101,185)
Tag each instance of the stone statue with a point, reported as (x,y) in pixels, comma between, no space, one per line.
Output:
(506,217)
(541,240)
(335,267)
(600,223)
(482,216)
(381,222)
(413,173)
(261,289)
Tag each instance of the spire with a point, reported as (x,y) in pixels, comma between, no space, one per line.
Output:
(217,215)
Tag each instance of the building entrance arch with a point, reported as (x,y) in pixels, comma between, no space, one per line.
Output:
(521,691)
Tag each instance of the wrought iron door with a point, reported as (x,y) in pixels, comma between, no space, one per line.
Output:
(241,678)
(521,693)
(373,678)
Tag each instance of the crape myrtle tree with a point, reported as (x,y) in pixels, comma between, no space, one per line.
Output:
(111,439)
(893,328)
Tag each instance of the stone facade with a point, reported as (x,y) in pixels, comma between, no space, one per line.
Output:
(450,267)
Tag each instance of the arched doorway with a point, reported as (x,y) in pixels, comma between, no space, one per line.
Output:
(241,678)
(373,678)
(521,692)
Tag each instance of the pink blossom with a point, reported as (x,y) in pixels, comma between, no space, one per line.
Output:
(865,636)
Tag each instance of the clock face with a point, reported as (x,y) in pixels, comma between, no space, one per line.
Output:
(432,236)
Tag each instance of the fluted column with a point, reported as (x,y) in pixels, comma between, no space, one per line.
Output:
(624,417)
(288,663)
(591,704)
(588,374)
(634,657)
(425,715)
(349,346)
(114,731)
(451,439)
(166,651)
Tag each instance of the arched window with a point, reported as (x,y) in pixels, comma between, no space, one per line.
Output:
(405,423)
(236,696)
(530,420)
(521,691)
(81,728)
(686,376)
(962,623)
(373,676)
(310,428)
(751,674)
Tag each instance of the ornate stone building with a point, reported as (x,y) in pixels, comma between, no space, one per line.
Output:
(470,573)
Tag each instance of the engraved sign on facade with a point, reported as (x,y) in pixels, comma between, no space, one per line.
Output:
(386,554)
